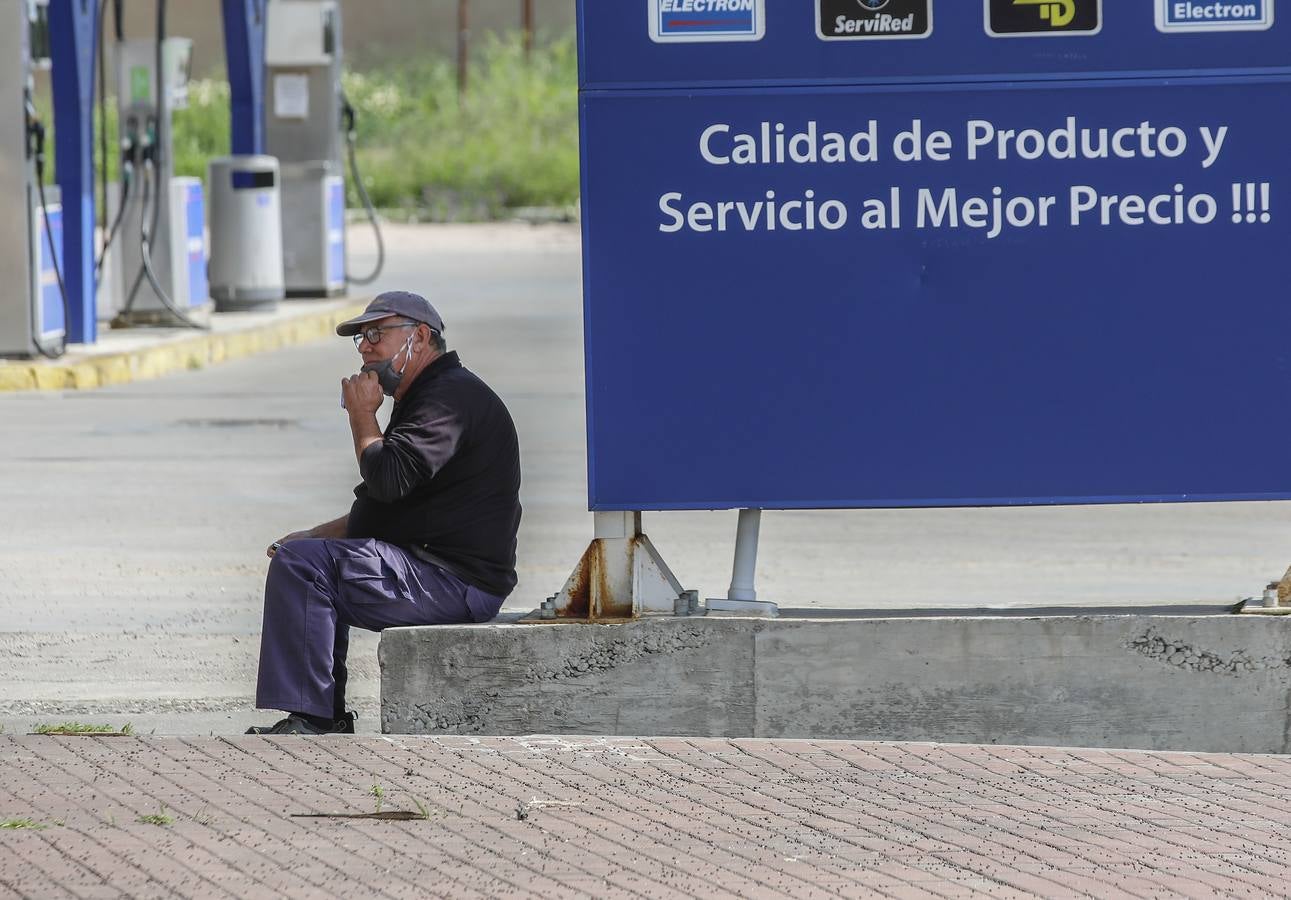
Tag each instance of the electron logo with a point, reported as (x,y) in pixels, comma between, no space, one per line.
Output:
(706,21)
(868,20)
(1212,15)
(1039,18)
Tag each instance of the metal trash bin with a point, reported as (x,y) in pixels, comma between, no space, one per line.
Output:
(246,266)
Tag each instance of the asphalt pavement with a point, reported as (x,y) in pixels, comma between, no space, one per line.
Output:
(135,517)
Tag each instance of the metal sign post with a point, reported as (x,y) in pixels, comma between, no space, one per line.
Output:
(244,54)
(72,32)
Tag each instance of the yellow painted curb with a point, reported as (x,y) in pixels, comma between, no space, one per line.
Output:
(191,353)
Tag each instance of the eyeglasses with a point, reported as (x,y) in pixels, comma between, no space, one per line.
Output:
(373,333)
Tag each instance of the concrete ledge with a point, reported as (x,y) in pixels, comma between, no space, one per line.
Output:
(1206,683)
(160,352)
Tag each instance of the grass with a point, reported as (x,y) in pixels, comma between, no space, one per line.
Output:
(21,823)
(81,728)
(511,141)
(378,794)
(158,818)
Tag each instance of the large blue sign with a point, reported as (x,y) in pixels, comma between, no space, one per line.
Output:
(1025,256)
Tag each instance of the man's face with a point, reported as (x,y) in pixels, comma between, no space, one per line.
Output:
(394,333)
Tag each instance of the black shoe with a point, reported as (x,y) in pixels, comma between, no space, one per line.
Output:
(295,724)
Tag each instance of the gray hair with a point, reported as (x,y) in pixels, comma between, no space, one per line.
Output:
(437,339)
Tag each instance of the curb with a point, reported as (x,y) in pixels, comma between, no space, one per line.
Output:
(190,353)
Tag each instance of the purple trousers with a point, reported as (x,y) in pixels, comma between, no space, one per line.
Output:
(317,589)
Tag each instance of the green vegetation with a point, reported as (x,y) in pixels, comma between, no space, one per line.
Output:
(21,823)
(80,728)
(157,818)
(511,141)
(378,794)
(200,131)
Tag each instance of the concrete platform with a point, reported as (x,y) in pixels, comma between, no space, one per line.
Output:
(632,817)
(138,354)
(1195,682)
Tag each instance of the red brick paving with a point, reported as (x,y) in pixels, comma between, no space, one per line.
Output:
(627,817)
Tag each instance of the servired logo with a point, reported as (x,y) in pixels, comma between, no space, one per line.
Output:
(867,20)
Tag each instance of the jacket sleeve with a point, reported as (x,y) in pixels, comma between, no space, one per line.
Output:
(411,453)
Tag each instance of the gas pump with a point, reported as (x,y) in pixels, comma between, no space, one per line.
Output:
(33,318)
(303,129)
(161,239)
(306,120)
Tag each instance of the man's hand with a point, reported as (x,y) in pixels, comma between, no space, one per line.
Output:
(294,536)
(362,394)
(336,529)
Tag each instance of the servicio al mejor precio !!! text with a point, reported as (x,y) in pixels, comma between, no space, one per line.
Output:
(939,208)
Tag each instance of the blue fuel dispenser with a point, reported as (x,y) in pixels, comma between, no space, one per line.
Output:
(46,233)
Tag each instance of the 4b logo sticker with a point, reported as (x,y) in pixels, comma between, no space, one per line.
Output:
(1032,18)
(868,20)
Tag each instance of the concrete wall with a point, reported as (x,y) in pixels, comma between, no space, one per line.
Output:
(1214,683)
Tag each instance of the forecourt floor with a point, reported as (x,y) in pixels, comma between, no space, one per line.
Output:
(135,516)
(633,817)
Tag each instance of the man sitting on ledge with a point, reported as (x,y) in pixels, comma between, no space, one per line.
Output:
(431,536)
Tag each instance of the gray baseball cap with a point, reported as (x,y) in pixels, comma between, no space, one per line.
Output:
(394,303)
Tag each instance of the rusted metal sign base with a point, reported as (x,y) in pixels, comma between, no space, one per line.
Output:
(620,577)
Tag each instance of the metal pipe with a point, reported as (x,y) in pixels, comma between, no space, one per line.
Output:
(463,45)
(746,556)
(526,23)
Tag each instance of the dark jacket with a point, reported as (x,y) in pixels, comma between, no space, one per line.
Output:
(446,478)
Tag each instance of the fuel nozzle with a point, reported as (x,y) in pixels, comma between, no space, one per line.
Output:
(35,133)
(347,119)
(130,145)
(148,141)
(36,142)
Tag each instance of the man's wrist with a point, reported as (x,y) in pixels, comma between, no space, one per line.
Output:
(364,424)
(366,432)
